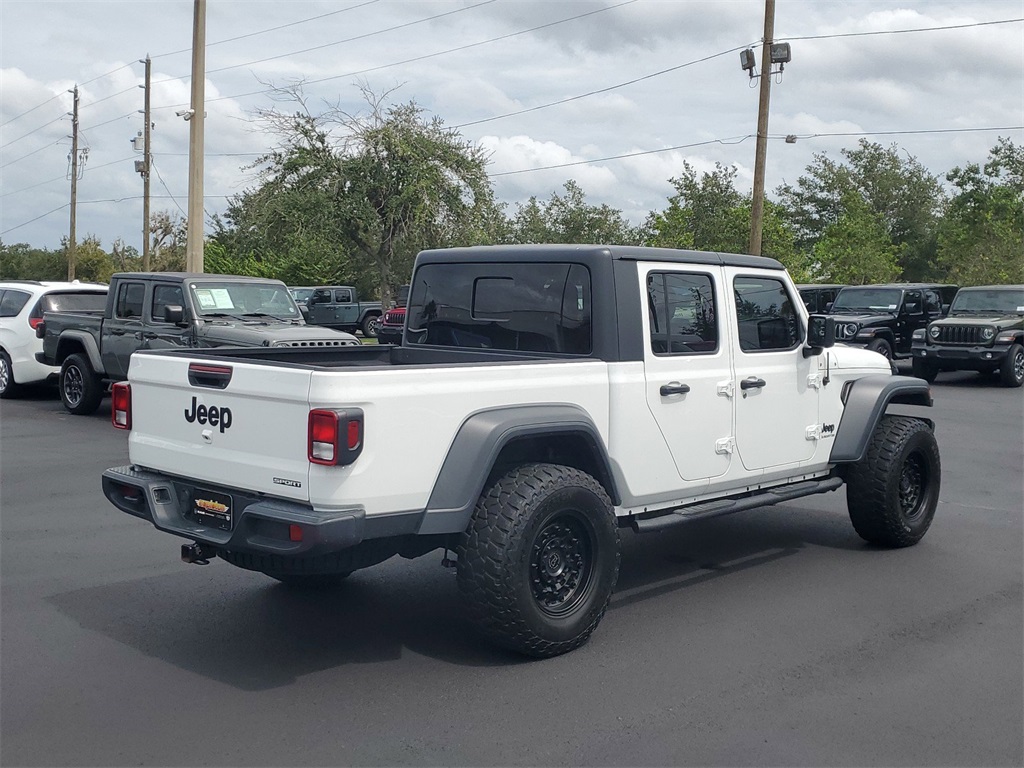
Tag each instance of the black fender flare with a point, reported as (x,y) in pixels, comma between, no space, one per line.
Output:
(866,401)
(478,444)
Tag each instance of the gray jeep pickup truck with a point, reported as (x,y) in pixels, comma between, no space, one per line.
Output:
(167,310)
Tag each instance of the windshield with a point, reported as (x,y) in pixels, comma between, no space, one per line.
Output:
(867,300)
(242,299)
(990,301)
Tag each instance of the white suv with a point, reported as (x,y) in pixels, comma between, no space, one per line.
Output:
(22,304)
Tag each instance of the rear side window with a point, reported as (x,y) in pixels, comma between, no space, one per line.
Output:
(765,316)
(535,307)
(343,296)
(682,311)
(130,297)
(12,302)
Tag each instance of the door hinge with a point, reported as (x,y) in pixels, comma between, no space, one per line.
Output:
(814,381)
(726,445)
(813,432)
(726,388)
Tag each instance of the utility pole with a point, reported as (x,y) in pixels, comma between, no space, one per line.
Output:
(757,203)
(74,184)
(196,115)
(146,158)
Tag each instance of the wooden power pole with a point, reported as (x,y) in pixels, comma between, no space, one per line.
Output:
(74,184)
(194,243)
(146,157)
(757,203)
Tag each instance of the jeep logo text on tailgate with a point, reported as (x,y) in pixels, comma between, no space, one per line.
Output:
(211,415)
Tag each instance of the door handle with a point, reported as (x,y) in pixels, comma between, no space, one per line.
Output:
(149,335)
(752,383)
(117,332)
(674,389)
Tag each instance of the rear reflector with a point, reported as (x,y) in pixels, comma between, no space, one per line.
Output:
(121,405)
(295,532)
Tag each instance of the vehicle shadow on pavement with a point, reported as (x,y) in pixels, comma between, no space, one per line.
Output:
(245,630)
(249,632)
(703,550)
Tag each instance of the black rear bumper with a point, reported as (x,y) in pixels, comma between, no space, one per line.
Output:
(259,524)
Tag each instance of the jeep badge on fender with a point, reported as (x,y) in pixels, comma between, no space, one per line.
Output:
(209,414)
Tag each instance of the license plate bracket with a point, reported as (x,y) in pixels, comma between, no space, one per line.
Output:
(212,508)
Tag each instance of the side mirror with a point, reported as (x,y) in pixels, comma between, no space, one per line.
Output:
(174,313)
(828,307)
(304,311)
(821,333)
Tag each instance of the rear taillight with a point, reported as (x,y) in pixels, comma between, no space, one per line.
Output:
(35,322)
(121,405)
(335,436)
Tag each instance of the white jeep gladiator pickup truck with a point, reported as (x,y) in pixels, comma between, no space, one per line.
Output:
(542,398)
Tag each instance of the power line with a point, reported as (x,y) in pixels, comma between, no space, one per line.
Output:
(902,31)
(425,56)
(35,130)
(357,37)
(37,106)
(37,218)
(34,151)
(603,90)
(740,139)
(152,162)
(271,29)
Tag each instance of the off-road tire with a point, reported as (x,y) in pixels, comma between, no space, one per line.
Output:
(1011,373)
(539,560)
(892,492)
(8,387)
(923,369)
(81,390)
(882,347)
(370,325)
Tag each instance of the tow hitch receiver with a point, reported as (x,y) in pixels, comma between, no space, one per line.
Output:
(197,554)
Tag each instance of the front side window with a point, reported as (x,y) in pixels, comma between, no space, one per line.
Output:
(682,313)
(165,296)
(765,316)
(535,307)
(130,297)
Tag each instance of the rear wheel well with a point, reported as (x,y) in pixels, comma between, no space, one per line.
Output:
(68,347)
(570,449)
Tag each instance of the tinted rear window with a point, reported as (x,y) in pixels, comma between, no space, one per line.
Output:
(524,307)
(72,302)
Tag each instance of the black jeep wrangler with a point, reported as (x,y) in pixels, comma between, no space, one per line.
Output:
(884,317)
(983,332)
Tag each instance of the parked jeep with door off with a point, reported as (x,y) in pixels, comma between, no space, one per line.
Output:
(167,310)
(883,318)
(543,398)
(984,332)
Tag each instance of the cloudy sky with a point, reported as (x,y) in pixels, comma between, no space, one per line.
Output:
(615,94)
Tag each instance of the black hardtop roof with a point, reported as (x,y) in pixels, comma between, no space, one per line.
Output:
(822,285)
(903,286)
(993,288)
(192,276)
(586,254)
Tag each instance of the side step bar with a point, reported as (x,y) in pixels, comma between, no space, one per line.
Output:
(718,507)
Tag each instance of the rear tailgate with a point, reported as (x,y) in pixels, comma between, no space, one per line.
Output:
(230,422)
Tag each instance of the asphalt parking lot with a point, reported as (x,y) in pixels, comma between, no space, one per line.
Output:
(770,637)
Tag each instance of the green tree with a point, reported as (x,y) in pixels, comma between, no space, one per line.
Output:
(981,238)
(856,249)
(899,189)
(20,261)
(362,193)
(707,213)
(568,218)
